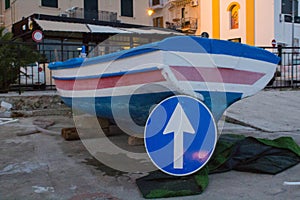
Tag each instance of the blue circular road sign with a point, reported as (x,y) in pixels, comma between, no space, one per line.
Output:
(180,135)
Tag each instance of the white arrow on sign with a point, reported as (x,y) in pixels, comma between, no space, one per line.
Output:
(178,124)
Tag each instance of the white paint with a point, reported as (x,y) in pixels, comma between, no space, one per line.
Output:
(40,189)
(178,124)
(73,187)
(2,122)
(17,140)
(24,167)
(291,183)
(162,58)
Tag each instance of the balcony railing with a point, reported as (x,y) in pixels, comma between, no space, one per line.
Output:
(1,20)
(102,15)
(156,4)
(180,2)
(186,25)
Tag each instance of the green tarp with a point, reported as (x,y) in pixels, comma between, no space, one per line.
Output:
(233,152)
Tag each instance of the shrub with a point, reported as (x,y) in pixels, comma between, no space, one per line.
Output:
(13,55)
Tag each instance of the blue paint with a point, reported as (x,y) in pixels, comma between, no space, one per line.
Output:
(71,63)
(83,49)
(181,44)
(140,104)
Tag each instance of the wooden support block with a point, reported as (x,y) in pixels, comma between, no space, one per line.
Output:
(70,134)
(113,130)
(135,140)
(104,123)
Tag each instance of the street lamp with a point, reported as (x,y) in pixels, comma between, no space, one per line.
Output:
(150,11)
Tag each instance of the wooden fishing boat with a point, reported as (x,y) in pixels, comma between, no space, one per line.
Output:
(125,85)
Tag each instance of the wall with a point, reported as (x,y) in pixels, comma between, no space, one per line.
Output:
(24,8)
(264,22)
(205,24)
(21,8)
(139,11)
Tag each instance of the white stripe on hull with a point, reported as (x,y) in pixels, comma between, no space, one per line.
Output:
(155,88)
(162,58)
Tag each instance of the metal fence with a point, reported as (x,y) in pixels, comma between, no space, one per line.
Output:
(37,76)
(288,70)
(34,75)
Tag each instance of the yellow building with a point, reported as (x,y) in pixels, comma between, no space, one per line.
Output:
(221,19)
(254,22)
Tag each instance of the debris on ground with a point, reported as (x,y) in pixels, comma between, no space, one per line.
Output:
(291,183)
(39,126)
(70,134)
(233,152)
(5,108)
(7,120)
(135,140)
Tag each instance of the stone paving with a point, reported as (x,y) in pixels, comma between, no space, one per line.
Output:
(45,166)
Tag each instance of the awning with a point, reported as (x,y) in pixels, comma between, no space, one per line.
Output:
(151,31)
(62,26)
(104,29)
(91,28)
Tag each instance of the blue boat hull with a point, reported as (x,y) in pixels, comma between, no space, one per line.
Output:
(139,105)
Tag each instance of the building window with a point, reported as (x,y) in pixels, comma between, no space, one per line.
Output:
(158,22)
(50,3)
(7,4)
(91,9)
(287,7)
(127,8)
(234,15)
(155,2)
(235,40)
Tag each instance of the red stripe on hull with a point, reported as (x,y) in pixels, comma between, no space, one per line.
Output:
(217,75)
(110,82)
(197,74)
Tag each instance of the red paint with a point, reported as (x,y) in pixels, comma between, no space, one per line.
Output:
(217,75)
(198,74)
(110,82)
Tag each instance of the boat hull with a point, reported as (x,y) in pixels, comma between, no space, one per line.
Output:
(139,105)
(125,86)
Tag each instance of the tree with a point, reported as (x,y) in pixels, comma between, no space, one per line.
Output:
(13,55)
